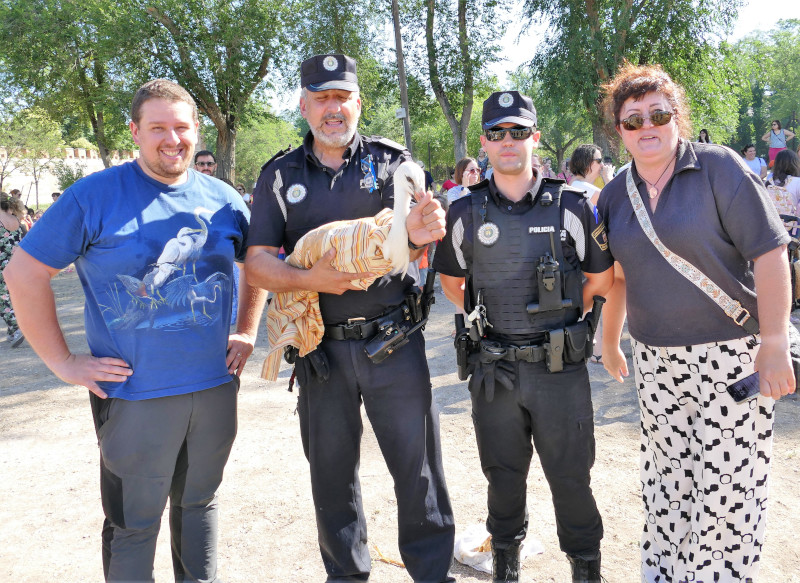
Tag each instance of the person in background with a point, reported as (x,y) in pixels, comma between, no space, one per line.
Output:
(586,165)
(467,174)
(547,171)
(756,165)
(776,138)
(11,234)
(483,162)
(205,162)
(704,458)
(245,195)
(564,174)
(55,196)
(429,183)
(704,138)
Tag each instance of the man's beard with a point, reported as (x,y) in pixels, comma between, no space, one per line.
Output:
(336,140)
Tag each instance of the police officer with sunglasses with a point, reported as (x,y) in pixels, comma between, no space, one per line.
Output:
(521,246)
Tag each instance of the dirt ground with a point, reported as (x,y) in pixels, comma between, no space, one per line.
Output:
(51,516)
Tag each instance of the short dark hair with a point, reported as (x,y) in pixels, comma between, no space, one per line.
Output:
(580,162)
(747,147)
(637,81)
(787,163)
(205,153)
(160,89)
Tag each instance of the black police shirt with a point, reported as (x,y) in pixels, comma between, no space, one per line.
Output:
(295,193)
(582,234)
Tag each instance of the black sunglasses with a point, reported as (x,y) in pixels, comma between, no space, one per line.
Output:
(657,118)
(498,134)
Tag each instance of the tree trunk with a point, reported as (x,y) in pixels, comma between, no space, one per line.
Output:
(605,138)
(458,127)
(401,72)
(226,152)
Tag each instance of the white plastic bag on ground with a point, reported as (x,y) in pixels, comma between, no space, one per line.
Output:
(474,536)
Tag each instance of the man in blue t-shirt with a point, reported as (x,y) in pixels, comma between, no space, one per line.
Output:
(154,245)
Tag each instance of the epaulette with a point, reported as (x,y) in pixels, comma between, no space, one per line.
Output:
(386,142)
(280,154)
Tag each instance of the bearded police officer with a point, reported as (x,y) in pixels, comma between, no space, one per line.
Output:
(337,174)
(522,244)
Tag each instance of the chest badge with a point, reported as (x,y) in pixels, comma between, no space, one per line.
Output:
(488,234)
(370,181)
(296,193)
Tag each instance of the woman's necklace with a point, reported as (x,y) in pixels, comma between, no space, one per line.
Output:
(653,192)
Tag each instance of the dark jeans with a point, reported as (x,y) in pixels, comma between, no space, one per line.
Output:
(555,411)
(397,398)
(174,447)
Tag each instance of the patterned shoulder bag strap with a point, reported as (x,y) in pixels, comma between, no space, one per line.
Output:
(732,308)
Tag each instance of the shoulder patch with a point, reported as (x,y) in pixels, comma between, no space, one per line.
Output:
(387,142)
(600,237)
(280,154)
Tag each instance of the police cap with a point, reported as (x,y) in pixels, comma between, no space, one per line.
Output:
(323,72)
(508,107)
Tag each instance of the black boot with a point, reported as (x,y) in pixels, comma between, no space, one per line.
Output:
(585,570)
(505,563)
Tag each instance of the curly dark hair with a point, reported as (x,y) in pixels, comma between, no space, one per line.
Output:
(637,81)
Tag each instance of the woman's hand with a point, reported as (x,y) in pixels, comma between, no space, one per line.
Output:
(614,362)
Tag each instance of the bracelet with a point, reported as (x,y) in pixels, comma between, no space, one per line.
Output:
(415,247)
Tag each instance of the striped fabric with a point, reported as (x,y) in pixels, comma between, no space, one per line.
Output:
(294,318)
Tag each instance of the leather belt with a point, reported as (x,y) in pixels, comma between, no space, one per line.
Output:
(361,328)
(497,351)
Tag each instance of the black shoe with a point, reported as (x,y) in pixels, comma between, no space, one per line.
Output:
(505,563)
(585,570)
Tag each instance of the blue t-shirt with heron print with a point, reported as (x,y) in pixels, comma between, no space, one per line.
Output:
(155,262)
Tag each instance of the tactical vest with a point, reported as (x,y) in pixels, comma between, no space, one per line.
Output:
(513,274)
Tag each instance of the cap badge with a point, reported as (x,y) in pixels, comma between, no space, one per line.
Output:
(505,100)
(330,63)
(296,193)
(488,233)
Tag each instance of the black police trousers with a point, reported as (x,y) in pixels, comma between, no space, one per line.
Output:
(555,411)
(397,399)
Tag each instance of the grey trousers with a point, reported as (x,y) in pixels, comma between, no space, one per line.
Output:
(174,447)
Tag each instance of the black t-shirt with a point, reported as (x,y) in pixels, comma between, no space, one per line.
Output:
(295,193)
(582,236)
(715,214)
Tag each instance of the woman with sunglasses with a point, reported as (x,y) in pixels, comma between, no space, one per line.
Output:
(704,457)
(777,138)
(467,174)
(586,165)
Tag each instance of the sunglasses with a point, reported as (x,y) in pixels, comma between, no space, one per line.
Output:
(472,170)
(598,160)
(657,118)
(499,134)
(205,164)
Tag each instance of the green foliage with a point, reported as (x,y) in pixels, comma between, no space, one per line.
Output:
(83,143)
(768,62)
(258,142)
(219,51)
(588,40)
(564,123)
(66,58)
(67,174)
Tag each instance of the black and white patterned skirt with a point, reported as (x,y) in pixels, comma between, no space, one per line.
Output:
(704,463)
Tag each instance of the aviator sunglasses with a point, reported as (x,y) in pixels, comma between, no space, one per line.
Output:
(657,118)
(518,133)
